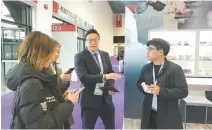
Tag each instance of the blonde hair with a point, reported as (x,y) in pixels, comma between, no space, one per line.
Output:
(36,49)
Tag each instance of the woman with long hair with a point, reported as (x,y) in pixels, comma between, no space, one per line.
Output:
(37,104)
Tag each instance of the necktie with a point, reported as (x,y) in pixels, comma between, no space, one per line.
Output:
(97,59)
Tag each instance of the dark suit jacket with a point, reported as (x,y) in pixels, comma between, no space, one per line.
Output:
(88,73)
(173,86)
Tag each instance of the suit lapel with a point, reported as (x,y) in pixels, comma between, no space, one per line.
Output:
(103,60)
(92,60)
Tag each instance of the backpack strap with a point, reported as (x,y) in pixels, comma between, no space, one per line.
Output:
(16,107)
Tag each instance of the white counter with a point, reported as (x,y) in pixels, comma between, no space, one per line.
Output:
(204,84)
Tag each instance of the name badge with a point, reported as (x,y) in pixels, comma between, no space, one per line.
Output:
(97,90)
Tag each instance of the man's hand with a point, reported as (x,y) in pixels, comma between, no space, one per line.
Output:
(111,92)
(154,89)
(66,77)
(112,76)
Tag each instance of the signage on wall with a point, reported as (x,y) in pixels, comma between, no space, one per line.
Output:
(45,6)
(118,20)
(35,1)
(66,14)
(63,27)
(55,7)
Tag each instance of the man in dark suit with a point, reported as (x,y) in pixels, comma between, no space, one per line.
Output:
(94,69)
(163,83)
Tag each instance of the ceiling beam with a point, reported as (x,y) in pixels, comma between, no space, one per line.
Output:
(117,6)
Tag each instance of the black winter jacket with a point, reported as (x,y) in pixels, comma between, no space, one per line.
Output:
(39,103)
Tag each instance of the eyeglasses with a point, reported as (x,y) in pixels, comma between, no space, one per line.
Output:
(149,49)
(92,40)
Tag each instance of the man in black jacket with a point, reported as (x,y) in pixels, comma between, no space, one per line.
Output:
(94,69)
(163,83)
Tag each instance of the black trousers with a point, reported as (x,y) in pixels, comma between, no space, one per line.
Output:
(153,120)
(105,112)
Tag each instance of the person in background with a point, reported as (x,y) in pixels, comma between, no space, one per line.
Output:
(163,83)
(36,102)
(94,69)
(120,58)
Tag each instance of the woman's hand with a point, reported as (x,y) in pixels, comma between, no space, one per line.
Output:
(73,95)
(66,77)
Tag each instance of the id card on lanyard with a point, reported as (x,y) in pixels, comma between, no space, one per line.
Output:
(153,73)
(154,100)
(97,90)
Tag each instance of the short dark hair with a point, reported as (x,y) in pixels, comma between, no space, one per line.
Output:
(160,44)
(91,31)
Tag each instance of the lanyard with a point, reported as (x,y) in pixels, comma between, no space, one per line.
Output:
(153,73)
